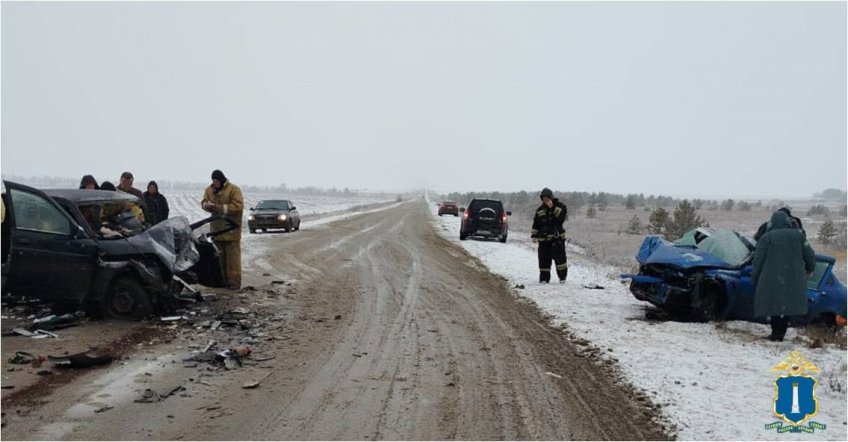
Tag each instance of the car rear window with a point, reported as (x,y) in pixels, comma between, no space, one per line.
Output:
(476,206)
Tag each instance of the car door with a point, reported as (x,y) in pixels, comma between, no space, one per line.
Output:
(293,213)
(51,257)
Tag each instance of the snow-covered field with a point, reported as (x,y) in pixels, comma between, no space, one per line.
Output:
(713,381)
(187,203)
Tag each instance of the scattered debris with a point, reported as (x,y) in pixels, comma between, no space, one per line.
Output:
(240,311)
(54,322)
(22,357)
(593,286)
(262,358)
(172,318)
(9,387)
(519,286)
(80,360)
(278,281)
(104,408)
(45,373)
(337,317)
(209,345)
(148,396)
(254,384)
(554,375)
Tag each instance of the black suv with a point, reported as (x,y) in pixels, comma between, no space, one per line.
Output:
(485,218)
(70,247)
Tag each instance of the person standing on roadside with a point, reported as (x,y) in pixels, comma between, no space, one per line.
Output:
(225,199)
(157,204)
(783,260)
(550,234)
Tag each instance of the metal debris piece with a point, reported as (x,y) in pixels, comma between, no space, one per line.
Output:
(80,360)
(554,375)
(254,384)
(148,396)
(104,408)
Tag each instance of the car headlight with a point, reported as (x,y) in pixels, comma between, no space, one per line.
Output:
(251,217)
(281,217)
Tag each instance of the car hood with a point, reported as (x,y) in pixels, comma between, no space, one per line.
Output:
(714,248)
(171,241)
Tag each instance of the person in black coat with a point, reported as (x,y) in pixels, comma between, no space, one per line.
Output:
(794,222)
(550,234)
(157,204)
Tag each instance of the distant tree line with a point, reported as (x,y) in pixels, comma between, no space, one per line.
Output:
(64,182)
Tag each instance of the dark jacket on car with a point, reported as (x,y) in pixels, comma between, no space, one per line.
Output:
(782,258)
(157,207)
(547,223)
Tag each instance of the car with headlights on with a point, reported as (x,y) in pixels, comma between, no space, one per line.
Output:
(273,214)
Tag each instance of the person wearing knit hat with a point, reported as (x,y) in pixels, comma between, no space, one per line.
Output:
(548,231)
(157,204)
(224,199)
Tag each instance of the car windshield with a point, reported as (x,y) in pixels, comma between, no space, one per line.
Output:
(722,243)
(272,205)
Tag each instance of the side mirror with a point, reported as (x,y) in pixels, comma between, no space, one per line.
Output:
(293,208)
(252,209)
(508,213)
(462,209)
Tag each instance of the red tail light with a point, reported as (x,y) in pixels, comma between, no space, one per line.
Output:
(504,217)
(466,214)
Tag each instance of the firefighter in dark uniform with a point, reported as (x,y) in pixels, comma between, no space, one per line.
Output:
(550,234)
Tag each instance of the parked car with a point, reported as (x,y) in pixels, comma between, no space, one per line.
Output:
(53,251)
(486,218)
(449,207)
(273,214)
(706,275)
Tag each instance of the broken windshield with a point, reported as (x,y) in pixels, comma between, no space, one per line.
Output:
(721,243)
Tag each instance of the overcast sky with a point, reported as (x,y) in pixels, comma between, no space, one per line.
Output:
(688,99)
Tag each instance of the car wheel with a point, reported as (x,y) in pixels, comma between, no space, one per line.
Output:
(127,299)
(502,238)
(252,230)
(298,225)
(288,227)
(462,235)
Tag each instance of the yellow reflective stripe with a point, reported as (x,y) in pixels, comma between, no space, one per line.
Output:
(562,266)
(557,211)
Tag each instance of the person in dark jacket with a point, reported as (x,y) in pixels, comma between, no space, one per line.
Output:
(793,220)
(157,204)
(550,234)
(88,182)
(126,185)
(782,262)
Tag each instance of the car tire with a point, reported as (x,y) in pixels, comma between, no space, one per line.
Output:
(462,236)
(252,230)
(288,227)
(502,238)
(298,225)
(126,299)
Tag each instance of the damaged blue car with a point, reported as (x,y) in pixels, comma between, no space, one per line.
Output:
(706,275)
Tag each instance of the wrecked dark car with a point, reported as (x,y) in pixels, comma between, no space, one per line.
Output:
(706,275)
(86,248)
